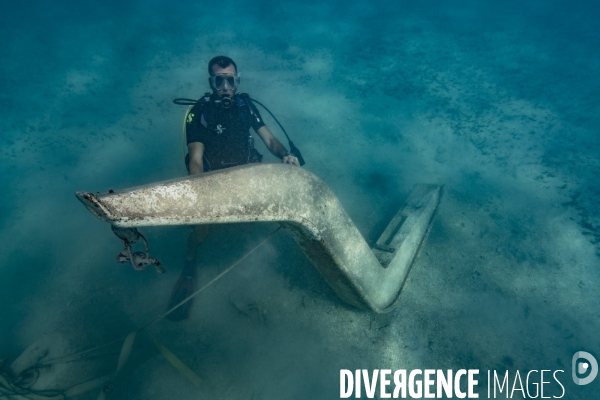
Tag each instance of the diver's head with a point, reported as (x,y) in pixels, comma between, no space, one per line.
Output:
(224,78)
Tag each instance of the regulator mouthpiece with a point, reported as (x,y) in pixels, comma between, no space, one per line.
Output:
(226,102)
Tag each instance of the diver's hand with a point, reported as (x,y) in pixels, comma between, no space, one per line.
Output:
(291,159)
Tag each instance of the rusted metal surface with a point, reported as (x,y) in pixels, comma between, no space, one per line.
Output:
(304,205)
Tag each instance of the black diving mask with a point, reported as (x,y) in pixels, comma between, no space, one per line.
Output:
(225,81)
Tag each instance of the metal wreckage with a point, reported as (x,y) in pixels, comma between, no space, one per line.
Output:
(365,277)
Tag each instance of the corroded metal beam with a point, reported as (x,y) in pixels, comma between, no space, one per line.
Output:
(304,205)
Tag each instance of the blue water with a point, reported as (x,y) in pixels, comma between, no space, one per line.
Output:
(496,101)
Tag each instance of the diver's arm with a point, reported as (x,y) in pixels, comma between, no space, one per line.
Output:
(196,150)
(276,147)
(271,142)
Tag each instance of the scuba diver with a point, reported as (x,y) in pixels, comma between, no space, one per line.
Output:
(217,132)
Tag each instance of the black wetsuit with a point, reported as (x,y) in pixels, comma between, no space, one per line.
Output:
(225,132)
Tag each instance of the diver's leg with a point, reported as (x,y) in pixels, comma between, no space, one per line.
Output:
(196,237)
(186,285)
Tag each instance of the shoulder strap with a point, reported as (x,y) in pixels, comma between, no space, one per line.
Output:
(242,101)
(205,98)
(204,103)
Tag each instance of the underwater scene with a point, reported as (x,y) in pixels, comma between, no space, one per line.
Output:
(492,105)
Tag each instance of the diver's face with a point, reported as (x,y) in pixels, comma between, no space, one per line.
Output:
(223,90)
